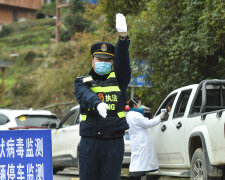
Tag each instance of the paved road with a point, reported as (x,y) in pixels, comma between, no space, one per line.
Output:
(64,177)
(67,174)
(72,174)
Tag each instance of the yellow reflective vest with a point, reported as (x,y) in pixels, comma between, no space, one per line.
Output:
(109,92)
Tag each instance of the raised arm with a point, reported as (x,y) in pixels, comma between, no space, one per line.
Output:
(121,55)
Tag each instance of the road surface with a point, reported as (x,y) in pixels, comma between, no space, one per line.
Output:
(72,174)
(67,174)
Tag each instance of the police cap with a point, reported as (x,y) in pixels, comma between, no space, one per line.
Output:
(103,50)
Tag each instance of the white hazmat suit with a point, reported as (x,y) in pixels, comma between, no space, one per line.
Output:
(143,156)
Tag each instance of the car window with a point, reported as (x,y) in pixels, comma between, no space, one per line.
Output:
(77,116)
(69,120)
(36,120)
(3,119)
(77,119)
(182,103)
(215,99)
(168,104)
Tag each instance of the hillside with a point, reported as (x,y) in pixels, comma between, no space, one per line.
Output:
(43,72)
(21,43)
(183,43)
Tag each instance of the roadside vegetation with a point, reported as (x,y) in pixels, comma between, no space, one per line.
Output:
(183,42)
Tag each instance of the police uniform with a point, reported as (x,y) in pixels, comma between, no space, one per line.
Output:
(101,147)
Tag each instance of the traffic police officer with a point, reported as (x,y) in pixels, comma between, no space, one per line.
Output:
(102,98)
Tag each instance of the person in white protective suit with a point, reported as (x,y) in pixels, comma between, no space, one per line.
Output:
(143,156)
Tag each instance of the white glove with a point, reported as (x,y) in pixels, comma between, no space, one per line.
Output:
(102,109)
(121,24)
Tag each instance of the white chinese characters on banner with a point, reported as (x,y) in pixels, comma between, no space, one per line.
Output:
(2,145)
(30,172)
(20,172)
(40,171)
(29,148)
(39,147)
(2,172)
(19,149)
(11,171)
(10,146)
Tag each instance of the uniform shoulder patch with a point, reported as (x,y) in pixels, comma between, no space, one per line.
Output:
(87,79)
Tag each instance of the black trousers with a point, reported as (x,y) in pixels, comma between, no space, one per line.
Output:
(100,159)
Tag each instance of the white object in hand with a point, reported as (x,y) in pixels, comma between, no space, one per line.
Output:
(102,109)
(162,115)
(121,24)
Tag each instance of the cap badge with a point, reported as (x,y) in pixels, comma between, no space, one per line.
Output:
(104,47)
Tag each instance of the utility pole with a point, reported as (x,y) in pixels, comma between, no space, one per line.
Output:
(58,6)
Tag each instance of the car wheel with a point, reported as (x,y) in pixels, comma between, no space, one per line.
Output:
(198,166)
(56,169)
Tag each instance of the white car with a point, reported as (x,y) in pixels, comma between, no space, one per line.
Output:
(24,119)
(190,142)
(65,140)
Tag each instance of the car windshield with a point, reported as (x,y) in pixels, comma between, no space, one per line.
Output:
(36,120)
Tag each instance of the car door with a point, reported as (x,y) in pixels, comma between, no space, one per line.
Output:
(159,132)
(175,132)
(65,139)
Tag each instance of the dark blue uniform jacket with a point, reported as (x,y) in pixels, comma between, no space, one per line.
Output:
(89,100)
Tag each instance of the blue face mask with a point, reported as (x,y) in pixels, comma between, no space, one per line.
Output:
(140,107)
(103,68)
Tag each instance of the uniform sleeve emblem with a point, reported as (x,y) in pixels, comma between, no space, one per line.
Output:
(101,96)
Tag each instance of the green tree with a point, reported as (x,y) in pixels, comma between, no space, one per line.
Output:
(183,41)
(49,9)
(75,22)
(132,7)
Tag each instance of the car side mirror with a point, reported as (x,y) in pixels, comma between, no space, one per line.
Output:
(52,126)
